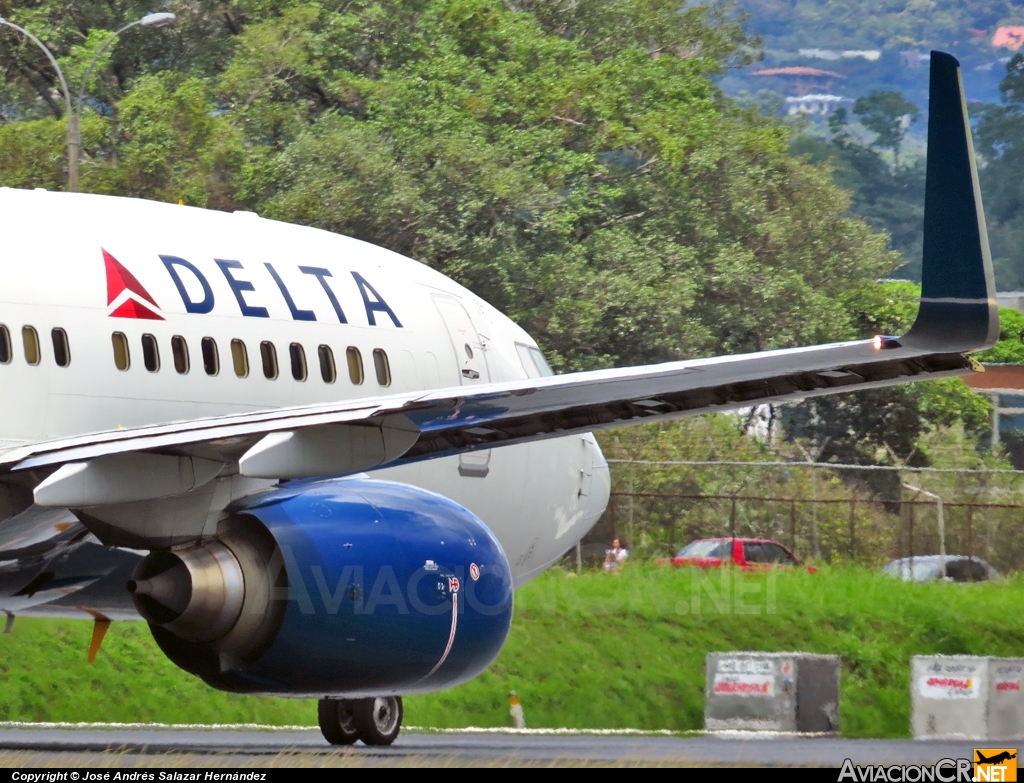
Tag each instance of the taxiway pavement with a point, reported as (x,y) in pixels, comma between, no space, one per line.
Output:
(483,746)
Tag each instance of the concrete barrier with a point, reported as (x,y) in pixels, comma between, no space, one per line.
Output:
(1006,698)
(967,697)
(949,696)
(756,691)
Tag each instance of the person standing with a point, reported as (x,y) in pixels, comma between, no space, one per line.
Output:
(615,557)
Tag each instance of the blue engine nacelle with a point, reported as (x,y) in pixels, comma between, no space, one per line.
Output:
(342,587)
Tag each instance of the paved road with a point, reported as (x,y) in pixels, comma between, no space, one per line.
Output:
(482,746)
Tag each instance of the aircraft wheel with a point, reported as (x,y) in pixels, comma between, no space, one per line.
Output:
(378,720)
(337,722)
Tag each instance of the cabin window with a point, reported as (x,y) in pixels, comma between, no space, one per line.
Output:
(5,345)
(211,360)
(179,348)
(327,369)
(122,359)
(268,353)
(30,339)
(355,365)
(239,358)
(298,357)
(383,369)
(150,353)
(61,349)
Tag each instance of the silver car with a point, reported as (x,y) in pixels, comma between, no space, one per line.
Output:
(928,568)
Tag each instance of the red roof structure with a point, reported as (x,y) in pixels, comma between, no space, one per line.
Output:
(799,79)
(1010,37)
(1004,377)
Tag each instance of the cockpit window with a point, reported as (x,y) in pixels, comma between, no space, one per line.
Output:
(541,362)
(533,361)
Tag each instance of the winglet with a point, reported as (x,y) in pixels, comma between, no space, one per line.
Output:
(958,296)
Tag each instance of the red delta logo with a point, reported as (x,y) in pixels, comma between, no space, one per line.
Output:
(121,284)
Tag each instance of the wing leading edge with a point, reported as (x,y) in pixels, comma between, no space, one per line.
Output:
(957,314)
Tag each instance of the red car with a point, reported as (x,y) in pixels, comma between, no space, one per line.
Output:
(743,552)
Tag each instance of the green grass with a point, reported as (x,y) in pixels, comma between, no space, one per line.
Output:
(594,651)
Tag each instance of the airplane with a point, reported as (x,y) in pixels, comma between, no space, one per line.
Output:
(998,758)
(318,469)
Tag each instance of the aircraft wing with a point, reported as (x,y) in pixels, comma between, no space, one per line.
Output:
(957,314)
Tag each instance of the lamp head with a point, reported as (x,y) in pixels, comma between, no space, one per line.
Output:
(157,20)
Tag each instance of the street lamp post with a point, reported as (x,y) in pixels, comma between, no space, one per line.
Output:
(73,139)
(74,113)
(150,20)
(942,526)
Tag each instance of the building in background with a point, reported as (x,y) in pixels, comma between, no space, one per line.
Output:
(1004,385)
(815,103)
(848,54)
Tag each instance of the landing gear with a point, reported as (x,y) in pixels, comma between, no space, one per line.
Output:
(375,721)
(336,722)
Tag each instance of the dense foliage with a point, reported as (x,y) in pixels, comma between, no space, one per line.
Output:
(999,138)
(888,196)
(573,164)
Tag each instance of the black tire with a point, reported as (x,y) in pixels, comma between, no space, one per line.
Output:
(337,722)
(378,720)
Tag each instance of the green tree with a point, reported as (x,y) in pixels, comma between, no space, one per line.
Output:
(889,115)
(1010,348)
(1000,141)
(889,198)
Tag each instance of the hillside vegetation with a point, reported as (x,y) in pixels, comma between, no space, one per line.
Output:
(877,23)
(594,651)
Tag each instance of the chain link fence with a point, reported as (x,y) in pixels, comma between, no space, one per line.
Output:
(823,512)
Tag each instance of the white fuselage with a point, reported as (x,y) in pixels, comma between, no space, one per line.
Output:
(195,274)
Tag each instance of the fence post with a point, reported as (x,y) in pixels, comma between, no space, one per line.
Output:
(942,523)
(631,501)
(899,533)
(815,544)
(942,536)
(970,529)
(910,536)
(792,525)
(853,509)
(732,521)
